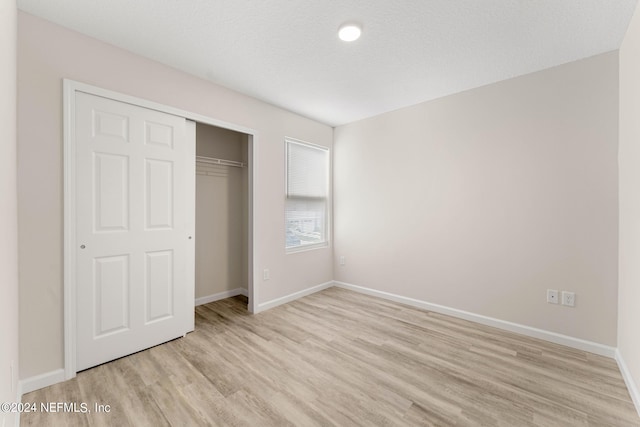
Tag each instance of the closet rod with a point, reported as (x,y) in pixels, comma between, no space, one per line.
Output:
(214,161)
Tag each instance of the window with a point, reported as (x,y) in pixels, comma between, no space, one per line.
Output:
(307,192)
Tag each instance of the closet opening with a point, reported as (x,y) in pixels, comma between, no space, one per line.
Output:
(222,234)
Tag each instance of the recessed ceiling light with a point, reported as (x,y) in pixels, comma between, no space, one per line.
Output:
(349,32)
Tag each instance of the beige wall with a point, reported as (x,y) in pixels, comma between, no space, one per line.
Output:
(212,141)
(8,209)
(221,239)
(629,161)
(46,54)
(482,200)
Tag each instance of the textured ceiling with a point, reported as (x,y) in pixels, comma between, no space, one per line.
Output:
(287,52)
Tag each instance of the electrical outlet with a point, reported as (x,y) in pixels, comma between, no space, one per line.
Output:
(266,275)
(343,260)
(568,299)
(552,296)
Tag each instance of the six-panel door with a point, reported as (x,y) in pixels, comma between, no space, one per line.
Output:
(133,228)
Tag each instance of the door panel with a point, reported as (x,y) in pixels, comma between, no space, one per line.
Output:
(111,294)
(159,204)
(134,218)
(110,125)
(159,285)
(158,134)
(111,178)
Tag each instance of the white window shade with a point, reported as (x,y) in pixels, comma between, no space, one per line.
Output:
(307,171)
(307,193)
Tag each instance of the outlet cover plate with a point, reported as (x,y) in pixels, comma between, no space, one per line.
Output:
(568,299)
(552,296)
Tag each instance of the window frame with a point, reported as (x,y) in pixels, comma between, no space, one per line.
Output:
(327,199)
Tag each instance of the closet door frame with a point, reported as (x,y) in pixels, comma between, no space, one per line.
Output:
(70,88)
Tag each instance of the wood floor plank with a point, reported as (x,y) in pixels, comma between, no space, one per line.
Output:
(338,358)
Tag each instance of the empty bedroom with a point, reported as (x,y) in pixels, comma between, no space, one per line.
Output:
(271,213)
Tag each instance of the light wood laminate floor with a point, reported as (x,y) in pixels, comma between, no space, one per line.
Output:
(345,359)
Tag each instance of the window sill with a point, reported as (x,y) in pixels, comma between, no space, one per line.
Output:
(307,248)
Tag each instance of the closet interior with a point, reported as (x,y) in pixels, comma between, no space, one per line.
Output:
(221,241)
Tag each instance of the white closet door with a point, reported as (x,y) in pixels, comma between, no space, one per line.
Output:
(134,169)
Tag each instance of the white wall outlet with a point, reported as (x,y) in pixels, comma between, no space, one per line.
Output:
(568,299)
(266,275)
(343,260)
(552,296)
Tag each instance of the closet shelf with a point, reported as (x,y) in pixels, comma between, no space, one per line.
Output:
(223,162)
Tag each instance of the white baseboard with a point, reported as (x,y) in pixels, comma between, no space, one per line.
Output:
(40,381)
(221,295)
(44,380)
(628,380)
(292,297)
(554,337)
